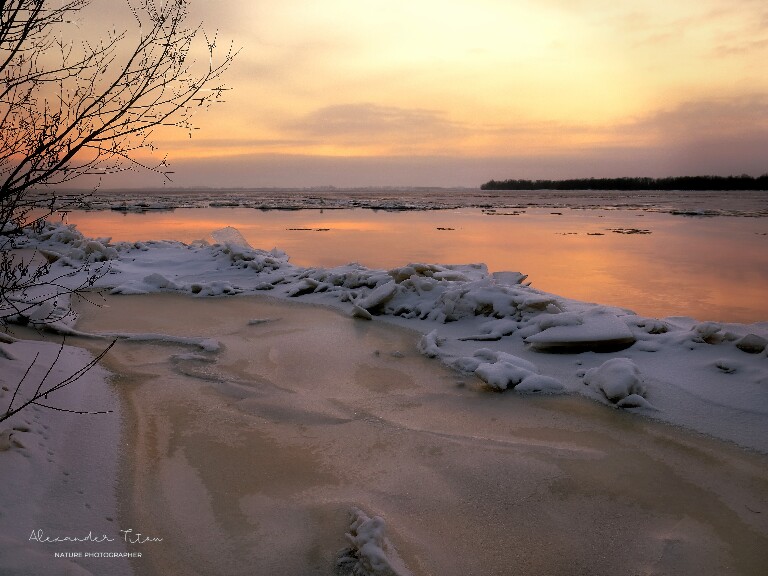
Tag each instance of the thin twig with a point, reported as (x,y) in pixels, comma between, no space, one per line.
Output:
(69,380)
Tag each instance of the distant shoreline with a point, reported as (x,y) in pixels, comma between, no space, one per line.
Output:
(702,183)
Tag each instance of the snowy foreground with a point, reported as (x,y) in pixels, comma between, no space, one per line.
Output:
(708,377)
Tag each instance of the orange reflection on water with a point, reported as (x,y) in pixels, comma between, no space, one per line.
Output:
(708,268)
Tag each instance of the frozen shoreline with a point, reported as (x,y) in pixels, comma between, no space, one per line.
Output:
(707,376)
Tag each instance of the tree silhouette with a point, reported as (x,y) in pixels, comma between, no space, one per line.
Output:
(719,183)
(71,108)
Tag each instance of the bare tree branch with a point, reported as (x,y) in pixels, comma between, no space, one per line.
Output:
(93,110)
(88,107)
(58,386)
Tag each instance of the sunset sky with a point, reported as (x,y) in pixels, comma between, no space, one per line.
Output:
(455,92)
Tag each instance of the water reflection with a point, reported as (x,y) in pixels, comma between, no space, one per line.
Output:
(708,268)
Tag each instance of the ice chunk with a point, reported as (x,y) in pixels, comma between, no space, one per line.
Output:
(562,319)
(486,354)
(304,286)
(493,356)
(215,288)
(634,401)
(96,251)
(378,296)
(358,312)
(450,275)
(501,370)
(706,330)
(509,278)
(429,344)
(160,281)
(370,552)
(405,272)
(466,363)
(230,236)
(494,330)
(538,383)
(501,375)
(599,330)
(752,344)
(648,325)
(7,338)
(617,379)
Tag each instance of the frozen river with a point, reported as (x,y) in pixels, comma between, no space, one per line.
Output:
(249,461)
(654,261)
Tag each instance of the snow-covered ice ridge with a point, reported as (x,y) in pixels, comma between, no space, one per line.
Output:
(685,203)
(707,376)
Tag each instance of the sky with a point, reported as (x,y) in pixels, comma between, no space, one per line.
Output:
(457,92)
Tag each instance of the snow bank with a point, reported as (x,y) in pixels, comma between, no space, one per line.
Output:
(58,470)
(709,376)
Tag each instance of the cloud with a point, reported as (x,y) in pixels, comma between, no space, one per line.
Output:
(227,145)
(370,122)
(709,136)
(741,47)
(706,119)
(286,64)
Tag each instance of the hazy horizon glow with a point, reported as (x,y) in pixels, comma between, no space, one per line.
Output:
(547,88)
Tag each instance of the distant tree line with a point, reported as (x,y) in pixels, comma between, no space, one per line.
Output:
(743,182)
